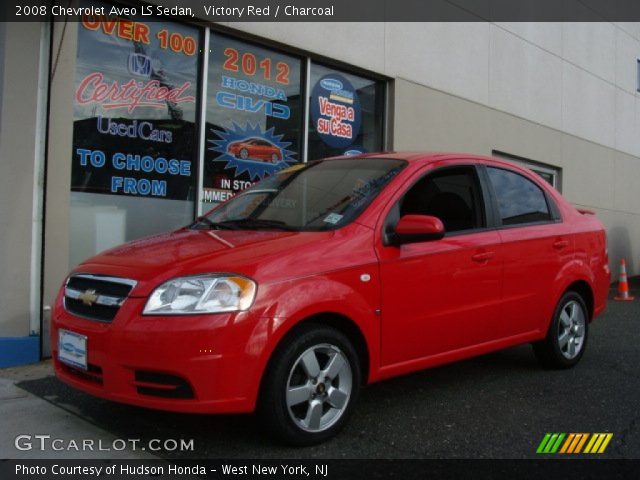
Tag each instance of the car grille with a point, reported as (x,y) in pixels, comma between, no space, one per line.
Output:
(96,297)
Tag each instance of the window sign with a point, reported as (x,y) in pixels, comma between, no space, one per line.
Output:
(253,116)
(335,110)
(134,108)
(134,148)
(345,113)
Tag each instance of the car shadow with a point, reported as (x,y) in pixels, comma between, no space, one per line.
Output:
(239,436)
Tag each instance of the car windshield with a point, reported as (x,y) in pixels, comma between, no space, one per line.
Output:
(320,195)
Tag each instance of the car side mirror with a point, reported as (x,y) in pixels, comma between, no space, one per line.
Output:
(417,228)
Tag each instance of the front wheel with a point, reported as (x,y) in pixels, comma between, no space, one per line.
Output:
(566,339)
(310,386)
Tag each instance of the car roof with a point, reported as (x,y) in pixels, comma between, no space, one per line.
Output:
(428,157)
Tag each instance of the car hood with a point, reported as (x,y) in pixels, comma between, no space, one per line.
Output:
(263,255)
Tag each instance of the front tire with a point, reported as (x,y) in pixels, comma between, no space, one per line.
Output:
(310,386)
(566,339)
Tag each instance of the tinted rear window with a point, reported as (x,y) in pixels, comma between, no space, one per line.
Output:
(519,199)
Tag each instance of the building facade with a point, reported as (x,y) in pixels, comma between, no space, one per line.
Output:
(110,131)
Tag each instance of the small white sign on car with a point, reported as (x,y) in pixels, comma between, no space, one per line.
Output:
(72,349)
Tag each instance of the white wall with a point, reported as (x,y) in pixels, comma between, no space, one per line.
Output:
(20,179)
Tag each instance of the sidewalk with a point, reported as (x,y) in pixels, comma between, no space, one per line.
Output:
(26,414)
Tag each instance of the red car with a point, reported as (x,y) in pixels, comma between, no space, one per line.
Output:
(328,276)
(255,149)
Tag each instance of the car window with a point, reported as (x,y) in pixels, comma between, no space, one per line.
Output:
(453,195)
(519,199)
(320,195)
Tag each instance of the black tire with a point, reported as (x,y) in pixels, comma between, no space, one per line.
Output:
(552,352)
(244,153)
(286,363)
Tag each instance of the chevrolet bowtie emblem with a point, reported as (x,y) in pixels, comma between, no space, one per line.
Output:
(88,297)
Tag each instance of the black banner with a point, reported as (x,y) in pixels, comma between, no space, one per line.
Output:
(335,11)
(320,469)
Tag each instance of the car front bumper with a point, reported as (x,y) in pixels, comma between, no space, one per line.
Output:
(197,364)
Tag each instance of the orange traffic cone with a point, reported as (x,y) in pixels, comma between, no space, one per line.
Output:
(623,285)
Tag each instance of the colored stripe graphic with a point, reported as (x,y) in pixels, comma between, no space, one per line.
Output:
(550,443)
(598,443)
(572,443)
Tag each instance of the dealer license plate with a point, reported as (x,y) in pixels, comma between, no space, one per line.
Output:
(72,349)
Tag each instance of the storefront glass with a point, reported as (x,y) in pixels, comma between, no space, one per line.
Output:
(253,122)
(345,113)
(136,125)
(134,132)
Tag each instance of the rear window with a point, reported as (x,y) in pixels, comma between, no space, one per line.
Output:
(519,199)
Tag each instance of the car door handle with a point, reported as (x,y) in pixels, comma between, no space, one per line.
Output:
(560,244)
(482,257)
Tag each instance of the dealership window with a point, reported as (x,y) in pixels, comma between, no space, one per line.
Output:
(134,156)
(253,117)
(165,127)
(345,113)
(549,173)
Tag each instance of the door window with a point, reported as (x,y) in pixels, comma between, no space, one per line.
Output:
(453,195)
(519,199)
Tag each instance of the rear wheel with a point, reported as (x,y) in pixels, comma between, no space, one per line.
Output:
(566,339)
(311,386)
(244,153)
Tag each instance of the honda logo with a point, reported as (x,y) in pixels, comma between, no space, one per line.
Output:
(139,64)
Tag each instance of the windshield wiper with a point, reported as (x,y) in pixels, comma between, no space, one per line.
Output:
(206,221)
(251,223)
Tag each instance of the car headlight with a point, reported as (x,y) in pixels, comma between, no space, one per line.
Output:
(201,294)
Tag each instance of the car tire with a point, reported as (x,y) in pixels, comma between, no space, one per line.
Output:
(275,158)
(566,339)
(310,386)
(244,153)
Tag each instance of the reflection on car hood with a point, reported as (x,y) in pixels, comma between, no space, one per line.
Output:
(189,252)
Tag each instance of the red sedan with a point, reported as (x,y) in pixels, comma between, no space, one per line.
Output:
(328,276)
(255,149)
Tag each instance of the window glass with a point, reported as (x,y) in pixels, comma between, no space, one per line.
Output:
(345,113)
(452,195)
(134,151)
(253,119)
(321,195)
(519,199)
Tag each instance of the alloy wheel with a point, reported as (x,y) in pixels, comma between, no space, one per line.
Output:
(571,329)
(319,387)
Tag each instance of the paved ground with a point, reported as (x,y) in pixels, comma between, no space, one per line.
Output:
(495,406)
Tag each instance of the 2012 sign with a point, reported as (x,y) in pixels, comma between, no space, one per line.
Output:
(248,64)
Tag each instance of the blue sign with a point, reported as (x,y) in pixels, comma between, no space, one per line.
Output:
(335,110)
(250,149)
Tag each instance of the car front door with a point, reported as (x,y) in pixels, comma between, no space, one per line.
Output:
(444,295)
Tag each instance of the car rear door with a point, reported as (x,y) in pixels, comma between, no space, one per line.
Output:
(443,295)
(536,245)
